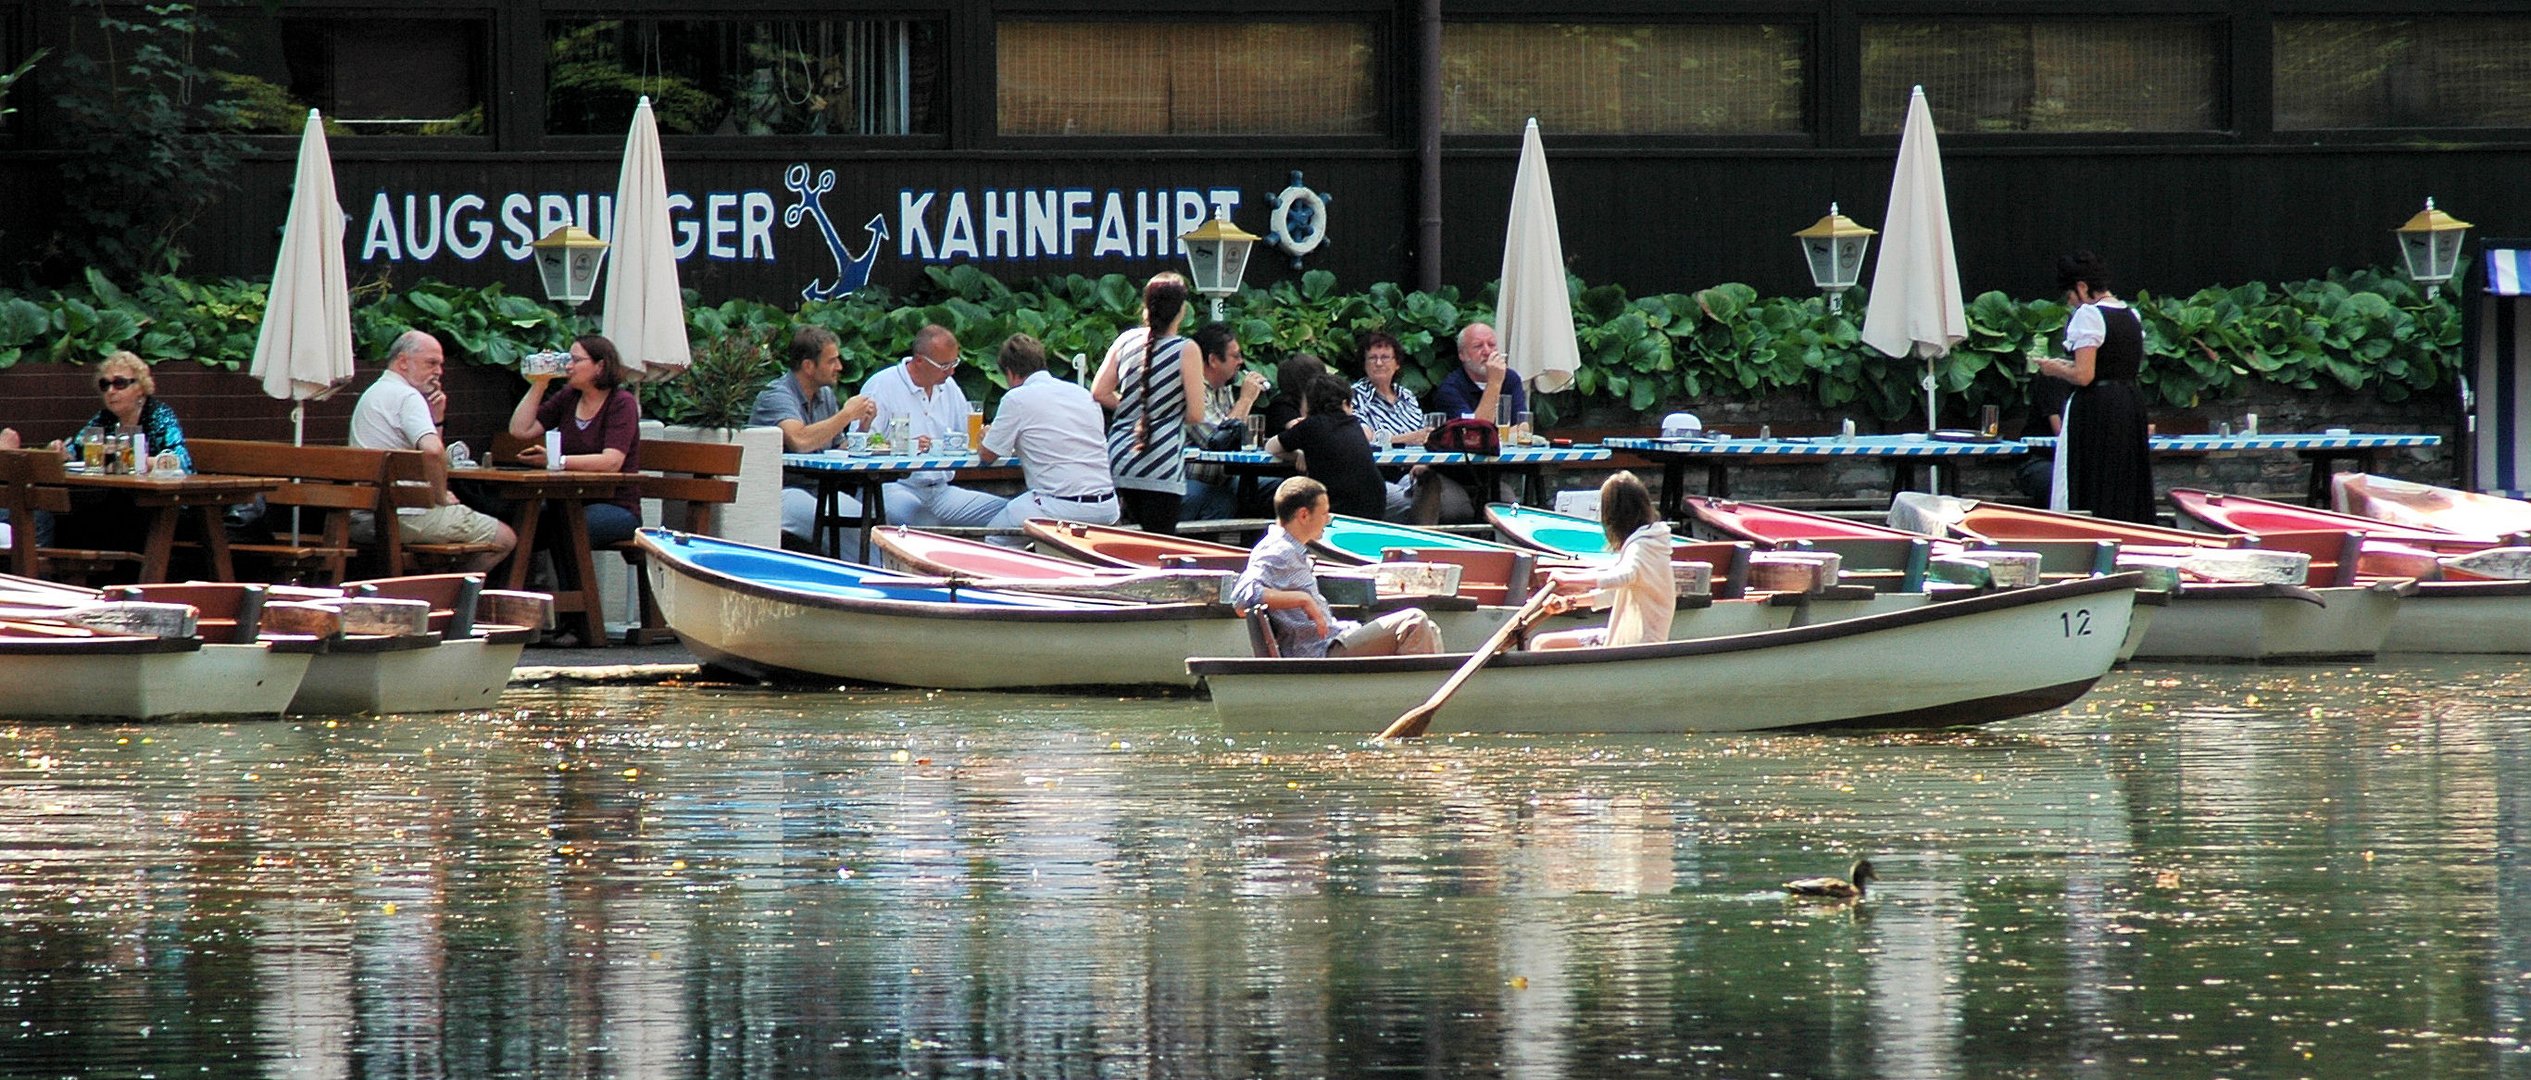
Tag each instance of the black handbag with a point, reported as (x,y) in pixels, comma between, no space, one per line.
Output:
(1466,436)
(1229,435)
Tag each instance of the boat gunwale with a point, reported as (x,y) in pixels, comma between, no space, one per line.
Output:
(920,609)
(1088,551)
(900,542)
(101,644)
(1663,650)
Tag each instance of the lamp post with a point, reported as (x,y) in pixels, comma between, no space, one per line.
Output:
(2431,244)
(567,261)
(1834,247)
(1216,258)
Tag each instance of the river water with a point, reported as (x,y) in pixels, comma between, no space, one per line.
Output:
(2195,871)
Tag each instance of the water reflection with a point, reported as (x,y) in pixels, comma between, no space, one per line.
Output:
(2194,871)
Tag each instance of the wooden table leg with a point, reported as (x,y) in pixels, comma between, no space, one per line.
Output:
(874,511)
(575,561)
(524,555)
(215,542)
(161,545)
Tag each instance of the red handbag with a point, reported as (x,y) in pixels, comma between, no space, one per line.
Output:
(1466,436)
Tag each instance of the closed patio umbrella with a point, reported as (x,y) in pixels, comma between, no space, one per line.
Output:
(1533,312)
(303,350)
(644,313)
(1916,307)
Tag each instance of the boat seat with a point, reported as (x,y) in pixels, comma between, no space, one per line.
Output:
(1261,633)
(1887,564)
(1192,561)
(1479,569)
(2062,559)
(2334,553)
(1730,560)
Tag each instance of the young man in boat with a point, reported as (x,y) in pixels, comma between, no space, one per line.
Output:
(1060,438)
(924,392)
(802,404)
(403,410)
(1281,579)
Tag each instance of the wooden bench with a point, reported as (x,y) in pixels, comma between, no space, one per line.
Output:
(689,479)
(32,481)
(310,513)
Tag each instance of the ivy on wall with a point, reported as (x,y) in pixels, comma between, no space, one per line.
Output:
(2363,330)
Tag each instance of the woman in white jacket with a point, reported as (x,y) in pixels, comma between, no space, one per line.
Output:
(1638,589)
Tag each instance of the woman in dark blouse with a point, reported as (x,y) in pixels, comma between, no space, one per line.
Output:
(600,422)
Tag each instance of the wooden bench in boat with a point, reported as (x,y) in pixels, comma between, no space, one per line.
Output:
(32,481)
(2335,554)
(1887,564)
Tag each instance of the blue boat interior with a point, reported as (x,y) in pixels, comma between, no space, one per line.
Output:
(826,577)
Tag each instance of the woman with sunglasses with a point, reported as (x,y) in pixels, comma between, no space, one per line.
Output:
(600,422)
(131,405)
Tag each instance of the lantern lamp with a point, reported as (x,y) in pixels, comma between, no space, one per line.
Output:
(1217,258)
(2431,242)
(1834,246)
(567,260)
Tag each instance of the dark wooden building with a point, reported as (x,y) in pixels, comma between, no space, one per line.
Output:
(810,144)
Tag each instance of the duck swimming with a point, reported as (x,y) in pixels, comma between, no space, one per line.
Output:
(1828,888)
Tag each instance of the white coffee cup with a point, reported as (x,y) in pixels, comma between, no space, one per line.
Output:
(857,441)
(954,442)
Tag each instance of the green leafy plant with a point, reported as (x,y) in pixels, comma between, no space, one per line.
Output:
(147,134)
(2351,331)
(719,389)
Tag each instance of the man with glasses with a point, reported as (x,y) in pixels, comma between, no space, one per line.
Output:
(403,410)
(923,392)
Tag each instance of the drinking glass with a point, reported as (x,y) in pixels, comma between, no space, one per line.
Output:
(1520,426)
(975,425)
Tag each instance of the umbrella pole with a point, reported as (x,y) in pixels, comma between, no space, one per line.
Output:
(298,437)
(1933,473)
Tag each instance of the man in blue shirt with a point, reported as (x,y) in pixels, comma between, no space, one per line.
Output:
(1485,376)
(1483,384)
(802,403)
(1281,579)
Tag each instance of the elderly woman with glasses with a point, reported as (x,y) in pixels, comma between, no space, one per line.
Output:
(131,405)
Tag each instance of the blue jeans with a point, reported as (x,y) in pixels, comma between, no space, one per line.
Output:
(611,524)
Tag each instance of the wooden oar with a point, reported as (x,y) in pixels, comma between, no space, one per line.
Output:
(1412,722)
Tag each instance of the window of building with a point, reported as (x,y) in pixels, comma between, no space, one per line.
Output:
(2403,73)
(2090,75)
(370,76)
(746,77)
(1186,78)
(1717,79)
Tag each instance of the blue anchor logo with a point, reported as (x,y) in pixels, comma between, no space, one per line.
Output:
(851,271)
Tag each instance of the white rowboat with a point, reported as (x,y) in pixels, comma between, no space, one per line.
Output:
(1962,662)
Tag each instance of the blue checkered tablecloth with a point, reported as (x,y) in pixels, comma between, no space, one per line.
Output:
(1877,446)
(2203,444)
(1525,455)
(839,462)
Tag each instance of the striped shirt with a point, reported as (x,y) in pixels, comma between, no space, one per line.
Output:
(1160,465)
(1386,418)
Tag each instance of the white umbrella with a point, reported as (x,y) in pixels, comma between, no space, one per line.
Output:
(1533,313)
(644,313)
(303,351)
(1916,284)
